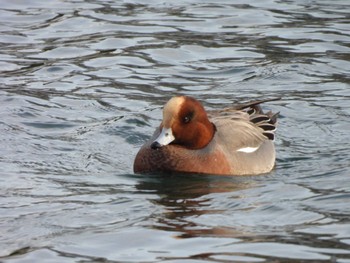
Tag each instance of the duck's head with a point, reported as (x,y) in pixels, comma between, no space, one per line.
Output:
(185,123)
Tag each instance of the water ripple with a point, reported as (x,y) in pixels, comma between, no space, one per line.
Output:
(82,87)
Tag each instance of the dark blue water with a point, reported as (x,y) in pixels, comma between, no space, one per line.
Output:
(82,84)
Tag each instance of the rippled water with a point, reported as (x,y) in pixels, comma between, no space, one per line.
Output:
(81,88)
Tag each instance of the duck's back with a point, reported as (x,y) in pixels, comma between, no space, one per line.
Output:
(243,141)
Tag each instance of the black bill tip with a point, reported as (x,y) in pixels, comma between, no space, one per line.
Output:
(155,145)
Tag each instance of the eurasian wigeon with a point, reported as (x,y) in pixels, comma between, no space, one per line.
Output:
(234,141)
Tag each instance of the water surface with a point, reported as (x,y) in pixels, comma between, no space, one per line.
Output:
(82,84)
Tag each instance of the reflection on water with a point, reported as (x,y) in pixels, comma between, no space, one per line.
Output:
(189,196)
(81,88)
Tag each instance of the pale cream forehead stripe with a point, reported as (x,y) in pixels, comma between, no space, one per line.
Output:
(171,110)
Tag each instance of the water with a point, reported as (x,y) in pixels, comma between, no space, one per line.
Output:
(82,86)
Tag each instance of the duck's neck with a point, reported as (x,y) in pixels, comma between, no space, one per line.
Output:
(205,135)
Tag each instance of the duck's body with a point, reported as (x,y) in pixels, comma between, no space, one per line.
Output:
(234,141)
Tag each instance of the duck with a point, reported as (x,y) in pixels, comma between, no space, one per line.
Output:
(237,140)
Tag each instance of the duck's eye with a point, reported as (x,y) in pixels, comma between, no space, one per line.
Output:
(187,119)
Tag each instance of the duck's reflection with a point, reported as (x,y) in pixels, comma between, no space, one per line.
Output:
(187,197)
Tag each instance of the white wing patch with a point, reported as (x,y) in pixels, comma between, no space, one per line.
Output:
(248,149)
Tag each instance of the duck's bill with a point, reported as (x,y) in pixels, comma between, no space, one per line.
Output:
(165,137)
